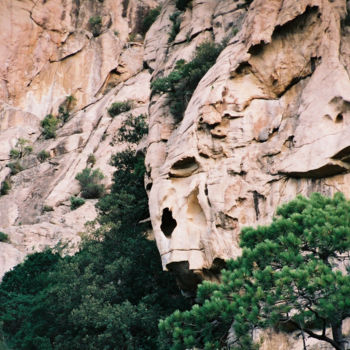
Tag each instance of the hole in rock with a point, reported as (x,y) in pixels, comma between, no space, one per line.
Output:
(339,118)
(186,279)
(168,222)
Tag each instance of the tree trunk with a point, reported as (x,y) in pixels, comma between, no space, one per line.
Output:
(337,334)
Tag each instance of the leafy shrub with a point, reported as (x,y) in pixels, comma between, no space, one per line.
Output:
(176,19)
(182,4)
(47,208)
(49,125)
(76,202)
(43,155)
(119,107)
(150,19)
(21,149)
(91,159)
(95,23)
(89,181)
(14,153)
(15,167)
(65,108)
(183,80)
(133,129)
(5,187)
(4,237)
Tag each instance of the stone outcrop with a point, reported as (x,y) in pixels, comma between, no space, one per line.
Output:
(269,120)
(51,50)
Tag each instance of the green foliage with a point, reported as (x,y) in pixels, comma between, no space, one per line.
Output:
(66,107)
(290,275)
(150,19)
(175,18)
(3,237)
(5,187)
(76,202)
(182,4)
(95,24)
(119,107)
(133,129)
(183,80)
(49,125)
(109,295)
(43,155)
(21,149)
(91,159)
(89,181)
(47,208)
(15,167)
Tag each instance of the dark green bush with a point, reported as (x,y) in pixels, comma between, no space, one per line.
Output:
(4,237)
(76,202)
(175,28)
(133,129)
(119,107)
(95,23)
(43,155)
(15,167)
(91,159)
(66,107)
(47,208)
(182,4)
(150,19)
(183,80)
(89,181)
(49,125)
(5,187)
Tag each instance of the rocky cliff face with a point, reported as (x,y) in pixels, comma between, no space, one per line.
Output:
(52,50)
(269,120)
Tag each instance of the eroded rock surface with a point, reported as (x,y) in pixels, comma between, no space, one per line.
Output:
(50,50)
(269,120)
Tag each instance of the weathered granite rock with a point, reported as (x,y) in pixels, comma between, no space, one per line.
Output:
(270,120)
(49,50)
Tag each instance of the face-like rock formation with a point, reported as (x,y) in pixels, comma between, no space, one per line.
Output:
(270,120)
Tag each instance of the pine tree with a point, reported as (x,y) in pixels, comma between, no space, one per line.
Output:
(292,275)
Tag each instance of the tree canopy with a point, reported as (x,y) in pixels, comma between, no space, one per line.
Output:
(292,275)
(109,295)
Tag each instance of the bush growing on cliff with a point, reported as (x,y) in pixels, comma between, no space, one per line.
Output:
(76,202)
(183,80)
(5,187)
(95,24)
(21,149)
(43,155)
(119,107)
(89,181)
(290,276)
(133,129)
(150,19)
(3,237)
(49,125)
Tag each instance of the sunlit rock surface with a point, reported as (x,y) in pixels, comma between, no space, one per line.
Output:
(269,120)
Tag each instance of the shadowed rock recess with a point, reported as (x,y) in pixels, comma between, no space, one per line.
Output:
(268,121)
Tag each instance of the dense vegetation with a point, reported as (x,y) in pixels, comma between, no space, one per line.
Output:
(291,276)
(183,80)
(109,295)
